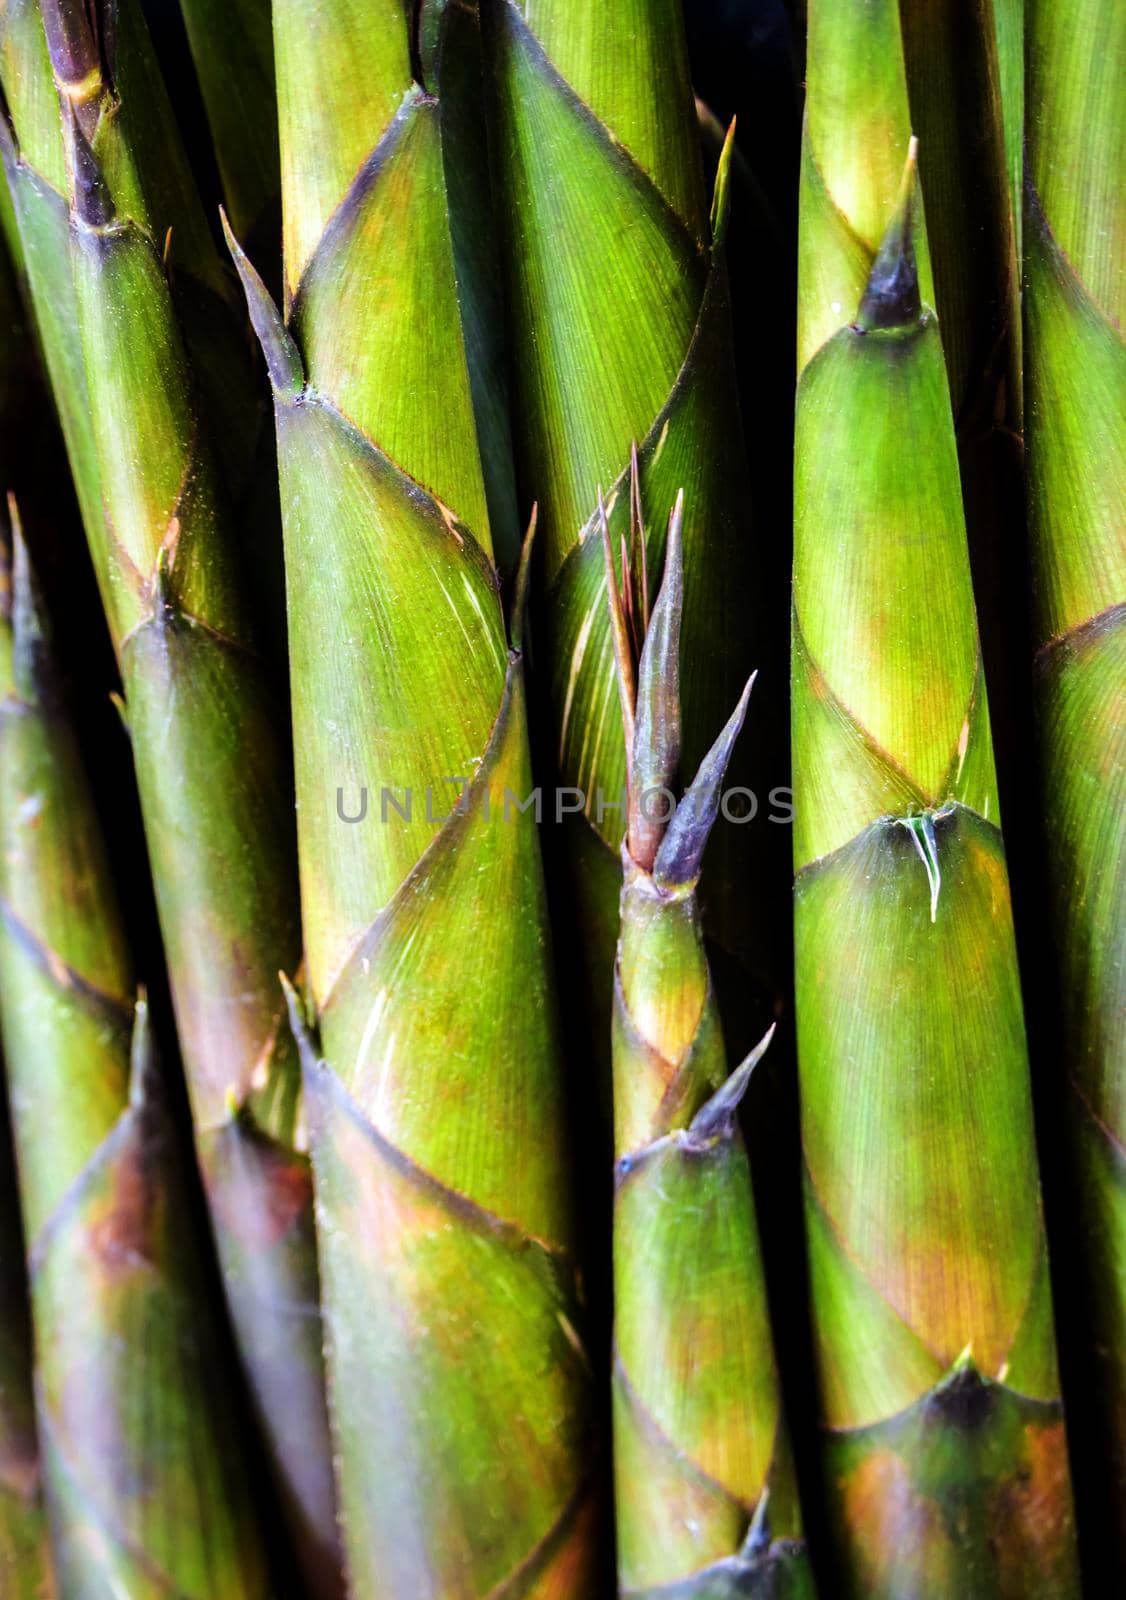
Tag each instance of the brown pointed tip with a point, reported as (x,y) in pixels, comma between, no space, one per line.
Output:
(891,299)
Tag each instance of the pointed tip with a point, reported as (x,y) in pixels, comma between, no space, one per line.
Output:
(674,546)
(92,202)
(963,1397)
(298,1026)
(716,1118)
(283,362)
(721,194)
(523,582)
(657,738)
(142,1052)
(33,669)
(891,299)
(619,635)
(682,849)
(163,584)
(758,1539)
(117,701)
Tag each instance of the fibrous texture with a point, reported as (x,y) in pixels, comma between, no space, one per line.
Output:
(148,362)
(944,1439)
(1075,376)
(145,1480)
(620,333)
(704,1484)
(458,1381)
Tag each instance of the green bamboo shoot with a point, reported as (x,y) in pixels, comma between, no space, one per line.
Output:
(705,1490)
(943,1441)
(1075,373)
(26,1569)
(458,1380)
(620,332)
(146,1483)
(139,314)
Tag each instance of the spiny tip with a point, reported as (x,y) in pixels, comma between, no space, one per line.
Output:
(757,1542)
(717,1116)
(682,849)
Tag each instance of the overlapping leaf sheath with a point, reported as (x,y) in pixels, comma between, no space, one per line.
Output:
(147,1489)
(26,1570)
(706,1499)
(944,1438)
(621,331)
(1075,370)
(457,1378)
(149,312)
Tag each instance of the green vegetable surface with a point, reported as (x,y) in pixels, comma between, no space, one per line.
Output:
(1075,378)
(620,335)
(458,1379)
(149,358)
(706,1498)
(943,1442)
(146,1483)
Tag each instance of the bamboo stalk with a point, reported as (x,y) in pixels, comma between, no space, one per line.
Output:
(164,438)
(1075,376)
(705,1490)
(620,332)
(943,1440)
(146,1483)
(458,1381)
